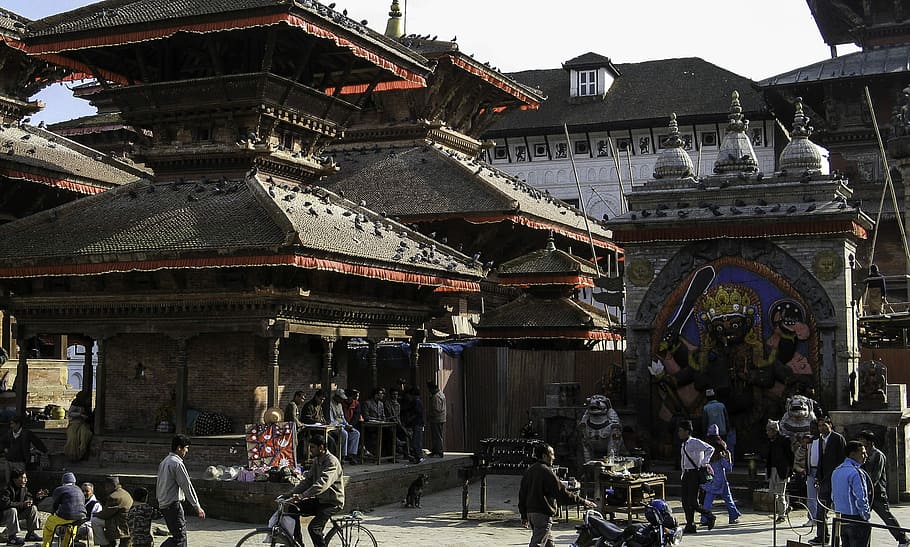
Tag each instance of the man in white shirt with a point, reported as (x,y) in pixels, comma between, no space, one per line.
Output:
(812,473)
(350,437)
(172,488)
(694,455)
(92,506)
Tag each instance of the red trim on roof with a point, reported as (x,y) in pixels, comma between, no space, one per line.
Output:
(744,229)
(79,187)
(309,27)
(512,334)
(361,88)
(542,225)
(490,77)
(307,262)
(526,280)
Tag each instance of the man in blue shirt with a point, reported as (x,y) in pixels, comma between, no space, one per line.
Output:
(851,493)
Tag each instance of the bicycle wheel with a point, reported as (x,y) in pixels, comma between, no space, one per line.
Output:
(263,536)
(350,535)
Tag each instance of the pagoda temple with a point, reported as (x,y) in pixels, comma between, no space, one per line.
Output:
(227,277)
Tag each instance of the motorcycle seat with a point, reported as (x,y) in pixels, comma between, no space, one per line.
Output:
(605,528)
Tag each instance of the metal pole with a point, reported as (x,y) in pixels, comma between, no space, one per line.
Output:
(889,184)
(581,201)
(622,191)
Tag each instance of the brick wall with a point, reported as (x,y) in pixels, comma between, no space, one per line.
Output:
(226,373)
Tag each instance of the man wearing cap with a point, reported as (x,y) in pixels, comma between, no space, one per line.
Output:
(69,506)
(350,437)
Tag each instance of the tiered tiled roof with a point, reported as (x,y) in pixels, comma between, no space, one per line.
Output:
(12,24)
(880,61)
(644,92)
(537,317)
(530,96)
(422,181)
(549,266)
(206,223)
(120,22)
(34,154)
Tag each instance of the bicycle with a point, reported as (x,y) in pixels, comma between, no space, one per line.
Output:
(346,531)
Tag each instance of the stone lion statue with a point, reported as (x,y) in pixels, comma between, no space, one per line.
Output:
(797,418)
(599,425)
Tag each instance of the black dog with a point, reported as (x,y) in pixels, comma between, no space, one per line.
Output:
(416,490)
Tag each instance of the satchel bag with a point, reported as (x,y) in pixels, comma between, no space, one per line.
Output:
(705,474)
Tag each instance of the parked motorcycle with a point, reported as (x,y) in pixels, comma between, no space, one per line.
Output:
(661,530)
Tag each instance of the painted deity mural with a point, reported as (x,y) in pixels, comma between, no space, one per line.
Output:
(739,329)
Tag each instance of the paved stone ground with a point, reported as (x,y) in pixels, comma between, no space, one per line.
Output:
(437,523)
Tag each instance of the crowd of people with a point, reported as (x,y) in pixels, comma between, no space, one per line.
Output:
(400,404)
(119,518)
(818,466)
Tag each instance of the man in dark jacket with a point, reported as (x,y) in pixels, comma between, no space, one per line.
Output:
(17,444)
(778,465)
(833,451)
(17,504)
(109,524)
(876,467)
(413,419)
(69,506)
(540,494)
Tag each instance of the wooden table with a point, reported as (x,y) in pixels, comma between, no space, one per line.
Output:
(322,429)
(379,427)
(633,486)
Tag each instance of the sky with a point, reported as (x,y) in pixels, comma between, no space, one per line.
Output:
(754,38)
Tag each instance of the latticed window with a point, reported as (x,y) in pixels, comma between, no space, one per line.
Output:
(587,83)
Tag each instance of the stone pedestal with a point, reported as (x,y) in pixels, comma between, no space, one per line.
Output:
(892,426)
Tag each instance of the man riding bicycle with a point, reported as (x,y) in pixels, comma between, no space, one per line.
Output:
(320,493)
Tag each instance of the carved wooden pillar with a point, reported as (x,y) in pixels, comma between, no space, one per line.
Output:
(328,344)
(274,351)
(372,360)
(21,384)
(180,358)
(88,371)
(416,339)
(61,351)
(100,385)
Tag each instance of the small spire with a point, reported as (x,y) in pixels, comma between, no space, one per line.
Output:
(674,161)
(800,153)
(551,244)
(395,27)
(736,154)
(736,114)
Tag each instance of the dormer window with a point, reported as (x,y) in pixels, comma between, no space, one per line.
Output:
(587,83)
(590,76)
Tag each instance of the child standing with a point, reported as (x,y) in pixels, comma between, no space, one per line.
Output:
(140,518)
